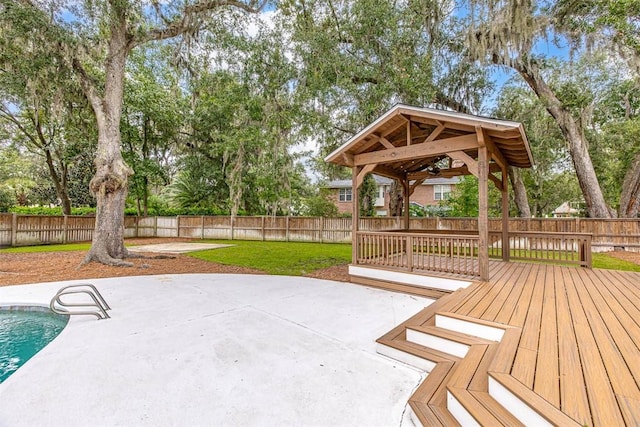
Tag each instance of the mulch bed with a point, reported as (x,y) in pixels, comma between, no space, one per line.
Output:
(16,269)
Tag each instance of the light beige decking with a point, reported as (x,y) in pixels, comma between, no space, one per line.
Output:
(571,348)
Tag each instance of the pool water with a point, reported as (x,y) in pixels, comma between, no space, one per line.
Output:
(23,333)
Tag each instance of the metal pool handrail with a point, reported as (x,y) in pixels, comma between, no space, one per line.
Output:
(99,302)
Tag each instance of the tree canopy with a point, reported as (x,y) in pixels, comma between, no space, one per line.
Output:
(229,106)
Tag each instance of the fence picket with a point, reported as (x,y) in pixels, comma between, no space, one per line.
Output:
(607,234)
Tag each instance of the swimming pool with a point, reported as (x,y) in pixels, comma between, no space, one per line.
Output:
(24,331)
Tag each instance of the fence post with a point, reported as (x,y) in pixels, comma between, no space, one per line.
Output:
(137,226)
(202,234)
(14,229)
(286,225)
(232,220)
(65,224)
(263,231)
(322,229)
(178,226)
(155,227)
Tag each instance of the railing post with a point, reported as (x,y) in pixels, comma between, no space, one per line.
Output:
(409,252)
(585,252)
(355,241)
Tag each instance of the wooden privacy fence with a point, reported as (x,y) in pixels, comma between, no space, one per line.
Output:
(17,230)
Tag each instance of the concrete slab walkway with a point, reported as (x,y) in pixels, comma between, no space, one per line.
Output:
(205,350)
(176,247)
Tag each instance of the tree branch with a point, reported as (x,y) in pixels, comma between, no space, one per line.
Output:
(184,22)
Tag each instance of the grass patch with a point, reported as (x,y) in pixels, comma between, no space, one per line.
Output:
(47,248)
(602,260)
(289,258)
(281,258)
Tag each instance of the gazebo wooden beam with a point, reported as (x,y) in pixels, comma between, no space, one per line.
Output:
(497,181)
(463,157)
(388,172)
(415,185)
(494,151)
(362,173)
(448,173)
(436,132)
(384,141)
(433,148)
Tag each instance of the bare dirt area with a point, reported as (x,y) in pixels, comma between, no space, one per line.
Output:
(633,257)
(17,269)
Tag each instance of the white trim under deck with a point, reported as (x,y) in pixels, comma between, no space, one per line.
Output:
(408,278)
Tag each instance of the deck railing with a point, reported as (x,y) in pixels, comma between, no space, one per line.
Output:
(555,248)
(419,252)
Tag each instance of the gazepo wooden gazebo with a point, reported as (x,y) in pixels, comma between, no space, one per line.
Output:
(411,144)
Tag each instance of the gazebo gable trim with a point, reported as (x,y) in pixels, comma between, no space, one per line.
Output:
(440,120)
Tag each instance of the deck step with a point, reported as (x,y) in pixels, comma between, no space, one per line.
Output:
(479,408)
(413,354)
(490,331)
(526,405)
(452,342)
(426,292)
(429,400)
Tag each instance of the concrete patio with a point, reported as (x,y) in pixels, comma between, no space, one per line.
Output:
(217,350)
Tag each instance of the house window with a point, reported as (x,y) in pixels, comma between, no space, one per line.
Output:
(345,195)
(441,191)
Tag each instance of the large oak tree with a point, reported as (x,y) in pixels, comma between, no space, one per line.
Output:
(93,40)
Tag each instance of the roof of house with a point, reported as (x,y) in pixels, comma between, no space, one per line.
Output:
(565,208)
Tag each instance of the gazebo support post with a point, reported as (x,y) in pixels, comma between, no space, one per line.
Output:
(406,194)
(355,214)
(483,215)
(506,248)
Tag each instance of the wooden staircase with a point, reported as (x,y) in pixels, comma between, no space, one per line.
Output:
(469,362)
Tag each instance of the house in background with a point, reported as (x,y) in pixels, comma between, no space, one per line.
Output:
(565,210)
(429,193)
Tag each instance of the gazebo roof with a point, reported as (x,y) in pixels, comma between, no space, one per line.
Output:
(415,142)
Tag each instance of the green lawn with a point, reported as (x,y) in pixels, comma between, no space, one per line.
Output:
(48,248)
(288,258)
(283,258)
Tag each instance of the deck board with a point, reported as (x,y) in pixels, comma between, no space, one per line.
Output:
(573,395)
(574,340)
(547,377)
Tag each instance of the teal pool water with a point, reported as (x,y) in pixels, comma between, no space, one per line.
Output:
(23,333)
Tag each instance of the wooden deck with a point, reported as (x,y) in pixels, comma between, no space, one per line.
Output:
(570,349)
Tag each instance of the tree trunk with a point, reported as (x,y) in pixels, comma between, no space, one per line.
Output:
(519,193)
(396,198)
(630,194)
(109,184)
(59,182)
(574,135)
(235,181)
